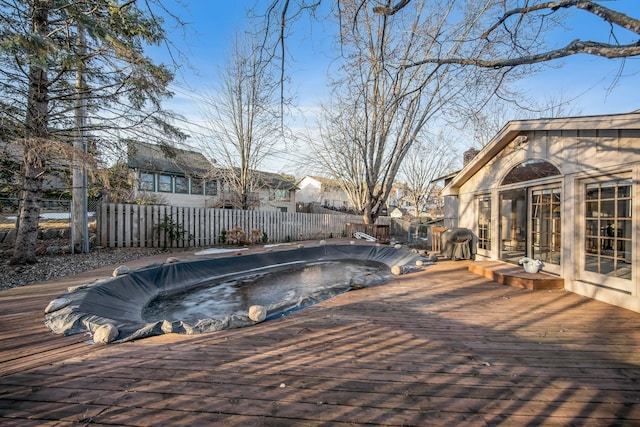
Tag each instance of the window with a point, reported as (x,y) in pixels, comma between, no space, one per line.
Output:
(196,186)
(165,183)
(530,170)
(182,184)
(484,222)
(147,182)
(211,188)
(608,228)
(278,194)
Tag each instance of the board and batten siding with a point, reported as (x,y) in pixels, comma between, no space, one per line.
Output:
(127,225)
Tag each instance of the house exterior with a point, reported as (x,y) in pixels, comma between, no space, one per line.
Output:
(322,191)
(565,191)
(186,178)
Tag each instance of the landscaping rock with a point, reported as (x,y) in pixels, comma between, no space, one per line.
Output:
(105,334)
(51,250)
(57,304)
(257,313)
(121,270)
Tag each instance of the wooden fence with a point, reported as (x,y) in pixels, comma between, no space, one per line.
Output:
(124,225)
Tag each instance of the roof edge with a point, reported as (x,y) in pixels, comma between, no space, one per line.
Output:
(514,127)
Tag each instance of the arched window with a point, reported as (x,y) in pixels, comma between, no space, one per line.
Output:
(530,170)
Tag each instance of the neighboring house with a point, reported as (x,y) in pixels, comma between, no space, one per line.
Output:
(276,193)
(398,213)
(180,177)
(565,191)
(398,199)
(174,176)
(322,191)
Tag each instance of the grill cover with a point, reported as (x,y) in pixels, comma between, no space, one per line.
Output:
(456,243)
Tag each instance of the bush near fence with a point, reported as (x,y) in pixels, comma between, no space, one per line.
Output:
(126,225)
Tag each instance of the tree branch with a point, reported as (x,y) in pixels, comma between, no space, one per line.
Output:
(388,11)
(575,47)
(607,14)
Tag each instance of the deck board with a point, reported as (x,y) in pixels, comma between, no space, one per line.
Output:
(439,347)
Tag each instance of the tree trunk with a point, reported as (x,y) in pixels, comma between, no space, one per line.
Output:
(29,215)
(33,150)
(367,214)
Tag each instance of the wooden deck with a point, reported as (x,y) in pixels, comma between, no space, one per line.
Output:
(440,347)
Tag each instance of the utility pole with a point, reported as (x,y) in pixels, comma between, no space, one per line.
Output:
(79,212)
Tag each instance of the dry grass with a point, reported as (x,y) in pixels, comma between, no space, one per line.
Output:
(43,224)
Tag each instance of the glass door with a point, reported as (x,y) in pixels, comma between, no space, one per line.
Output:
(546,225)
(513,225)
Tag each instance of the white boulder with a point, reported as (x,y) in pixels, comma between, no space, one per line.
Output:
(105,334)
(257,313)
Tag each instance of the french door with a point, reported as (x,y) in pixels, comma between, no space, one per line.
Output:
(513,224)
(530,225)
(546,225)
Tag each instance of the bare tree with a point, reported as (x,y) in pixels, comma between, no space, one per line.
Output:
(427,160)
(333,154)
(378,109)
(479,125)
(242,120)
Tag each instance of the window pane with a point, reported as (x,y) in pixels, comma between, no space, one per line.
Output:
(624,249)
(278,194)
(592,192)
(211,188)
(535,199)
(606,266)
(592,228)
(592,246)
(196,186)
(591,264)
(624,228)
(147,182)
(624,189)
(624,208)
(592,209)
(607,209)
(164,183)
(623,271)
(182,184)
(607,191)
(530,170)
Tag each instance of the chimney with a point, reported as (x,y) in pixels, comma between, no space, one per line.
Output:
(469,155)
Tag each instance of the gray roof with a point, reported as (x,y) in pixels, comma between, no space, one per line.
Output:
(274,180)
(154,158)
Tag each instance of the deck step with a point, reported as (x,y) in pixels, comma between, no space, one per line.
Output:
(512,275)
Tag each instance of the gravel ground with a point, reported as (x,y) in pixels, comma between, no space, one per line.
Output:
(50,267)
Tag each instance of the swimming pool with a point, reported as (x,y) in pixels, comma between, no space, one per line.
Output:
(211,294)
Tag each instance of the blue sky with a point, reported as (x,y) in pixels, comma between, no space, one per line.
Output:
(595,85)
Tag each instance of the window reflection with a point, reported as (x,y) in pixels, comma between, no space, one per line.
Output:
(530,170)
(608,228)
